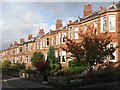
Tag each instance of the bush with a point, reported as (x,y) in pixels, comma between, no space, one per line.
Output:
(60,72)
(18,67)
(77,67)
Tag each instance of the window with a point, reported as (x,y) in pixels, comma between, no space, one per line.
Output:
(13,51)
(56,40)
(112,45)
(17,50)
(26,49)
(47,41)
(63,39)
(43,42)
(63,56)
(70,32)
(37,45)
(59,58)
(20,49)
(30,47)
(111,20)
(95,24)
(59,36)
(26,59)
(85,27)
(52,41)
(20,58)
(40,44)
(103,24)
(13,61)
(76,33)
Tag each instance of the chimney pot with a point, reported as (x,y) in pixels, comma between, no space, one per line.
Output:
(21,40)
(87,10)
(29,36)
(41,32)
(58,24)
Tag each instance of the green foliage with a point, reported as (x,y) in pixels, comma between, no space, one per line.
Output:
(18,66)
(51,55)
(54,66)
(77,67)
(60,72)
(6,64)
(37,56)
(0,64)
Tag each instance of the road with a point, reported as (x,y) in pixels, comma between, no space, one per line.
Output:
(18,83)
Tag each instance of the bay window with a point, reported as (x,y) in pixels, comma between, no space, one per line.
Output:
(111,23)
(103,24)
(75,33)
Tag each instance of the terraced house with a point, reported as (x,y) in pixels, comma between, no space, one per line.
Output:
(105,19)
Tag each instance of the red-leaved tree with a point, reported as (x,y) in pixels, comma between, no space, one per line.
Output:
(92,47)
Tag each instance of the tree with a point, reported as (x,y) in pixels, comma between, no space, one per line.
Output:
(39,62)
(37,56)
(19,67)
(54,66)
(6,64)
(92,48)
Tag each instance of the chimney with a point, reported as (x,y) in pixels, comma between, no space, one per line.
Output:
(21,40)
(58,24)
(29,36)
(15,43)
(87,10)
(102,8)
(41,32)
(11,45)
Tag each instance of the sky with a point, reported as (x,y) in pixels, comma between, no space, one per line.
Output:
(18,19)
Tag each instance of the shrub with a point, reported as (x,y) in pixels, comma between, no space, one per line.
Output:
(60,72)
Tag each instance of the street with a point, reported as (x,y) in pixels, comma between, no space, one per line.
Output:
(16,82)
(10,82)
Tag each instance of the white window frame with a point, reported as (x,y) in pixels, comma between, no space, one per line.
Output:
(102,23)
(26,47)
(63,54)
(63,35)
(46,42)
(70,32)
(37,45)
(56,40)
(95,24)
(52,41)
(59,36)
(30,47)
(113,16)
(26,59)
(75,32)
(114,45)
(85,27)
(41,46)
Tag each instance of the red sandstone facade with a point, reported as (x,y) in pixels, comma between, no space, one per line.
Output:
(105,19)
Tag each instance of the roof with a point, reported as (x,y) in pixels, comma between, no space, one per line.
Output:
(118,5)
